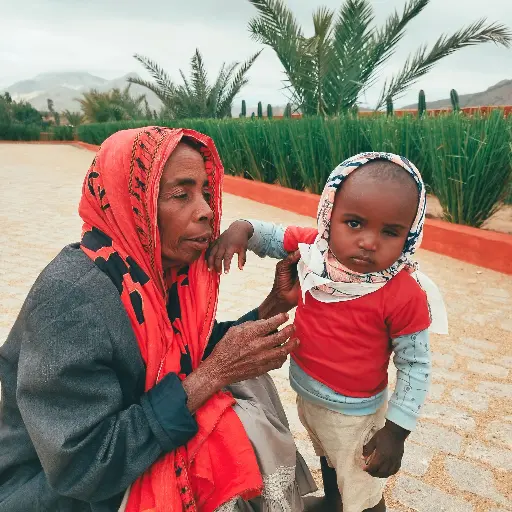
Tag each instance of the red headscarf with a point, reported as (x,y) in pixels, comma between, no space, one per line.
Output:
(120,234)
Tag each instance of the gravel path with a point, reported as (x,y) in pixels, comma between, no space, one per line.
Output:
(460,457)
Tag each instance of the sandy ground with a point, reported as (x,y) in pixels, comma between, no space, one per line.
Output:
(460,456)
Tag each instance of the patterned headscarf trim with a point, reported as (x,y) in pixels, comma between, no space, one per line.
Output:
(320,269)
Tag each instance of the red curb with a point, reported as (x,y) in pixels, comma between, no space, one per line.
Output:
(487,249)
(295,201)
(85,145)
(36,142)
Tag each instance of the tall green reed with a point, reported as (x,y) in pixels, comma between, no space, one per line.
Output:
(470,162)
(465,161)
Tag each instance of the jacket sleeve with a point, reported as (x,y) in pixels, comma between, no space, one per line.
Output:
(414,366)
(91,442)
(267,240)
(274,241)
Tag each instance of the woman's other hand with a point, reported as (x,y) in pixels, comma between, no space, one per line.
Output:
(252,349)
(284,295)
(233,240)
(245,352)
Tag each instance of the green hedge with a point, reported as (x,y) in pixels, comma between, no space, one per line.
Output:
(464,160)
(19,131)
(62,132)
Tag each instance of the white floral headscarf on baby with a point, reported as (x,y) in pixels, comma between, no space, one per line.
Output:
(328,280)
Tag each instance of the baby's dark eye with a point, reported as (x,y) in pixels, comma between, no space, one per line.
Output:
(181,196)
(354,224)
(387,232)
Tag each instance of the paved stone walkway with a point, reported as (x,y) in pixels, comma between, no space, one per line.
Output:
(460,457)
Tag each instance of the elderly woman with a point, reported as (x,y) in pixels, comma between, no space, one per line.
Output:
(119,389)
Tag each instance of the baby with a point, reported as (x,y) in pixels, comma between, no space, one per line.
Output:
(361,300)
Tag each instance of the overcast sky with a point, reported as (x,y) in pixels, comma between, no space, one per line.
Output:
(101,36)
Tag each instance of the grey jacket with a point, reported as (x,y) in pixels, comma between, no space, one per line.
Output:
(76,428)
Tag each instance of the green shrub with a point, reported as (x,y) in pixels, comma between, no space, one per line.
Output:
(422,104)
(454,98)
(389,106)
(18,131)
(62,132)
(465,161)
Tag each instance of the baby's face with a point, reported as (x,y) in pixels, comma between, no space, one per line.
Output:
(370,223)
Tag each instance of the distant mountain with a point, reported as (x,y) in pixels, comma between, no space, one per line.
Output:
(45,81)
(498,94)
(64,88)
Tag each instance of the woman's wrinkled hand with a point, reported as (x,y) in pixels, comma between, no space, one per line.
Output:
(234,240)
(284,295)
(286,280)
(251,349)
(246,351)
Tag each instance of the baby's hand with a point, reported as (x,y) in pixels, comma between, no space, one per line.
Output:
(382,455)
(234,240)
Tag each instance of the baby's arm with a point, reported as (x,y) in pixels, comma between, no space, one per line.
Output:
(383,453)
(274,241)
(262,238)
(267,240)
(413,363)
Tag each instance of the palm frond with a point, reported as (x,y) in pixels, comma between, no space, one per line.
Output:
(277,18)
(162,79)
(199,80)
(322,22)
(185,83)
(162,95)
(277,27)
(388,37)
(237,82)
(321,47)
(216,91)
(422,61)
(347,68)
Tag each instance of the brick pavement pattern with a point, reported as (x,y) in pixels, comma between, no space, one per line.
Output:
(459,458)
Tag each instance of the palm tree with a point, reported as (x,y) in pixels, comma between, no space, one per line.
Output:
(74,118)
(113,105)
(328,72)
(196,97)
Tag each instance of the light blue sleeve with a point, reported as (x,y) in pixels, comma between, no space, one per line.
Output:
(267,239)
(413,363)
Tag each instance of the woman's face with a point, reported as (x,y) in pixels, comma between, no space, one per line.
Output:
(184,214)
